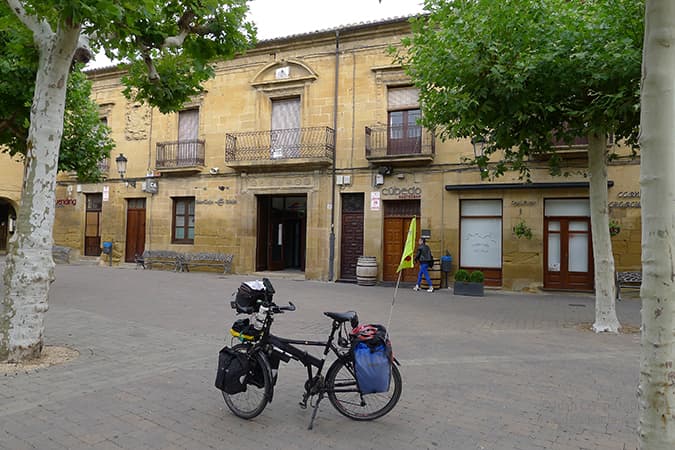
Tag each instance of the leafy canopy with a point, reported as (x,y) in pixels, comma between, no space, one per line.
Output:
(85,139)
(513,71)
(168,48)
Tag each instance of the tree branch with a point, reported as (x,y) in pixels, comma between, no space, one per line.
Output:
(38,27)
(184,30)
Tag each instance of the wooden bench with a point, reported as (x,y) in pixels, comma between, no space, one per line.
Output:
(627,280)
(153,258)
(217,260)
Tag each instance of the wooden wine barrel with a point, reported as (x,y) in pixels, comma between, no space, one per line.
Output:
(366,271)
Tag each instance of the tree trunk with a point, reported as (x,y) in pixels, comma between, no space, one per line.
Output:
(605,288)
(29,266)
(656,389)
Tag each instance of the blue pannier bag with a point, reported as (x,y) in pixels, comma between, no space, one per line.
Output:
(373,367)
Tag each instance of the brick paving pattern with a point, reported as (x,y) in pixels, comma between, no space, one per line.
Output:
(507,371)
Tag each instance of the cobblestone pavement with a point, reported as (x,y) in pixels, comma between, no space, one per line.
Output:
(507,371)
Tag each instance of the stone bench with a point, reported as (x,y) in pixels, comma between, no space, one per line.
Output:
(217,260)
(627,280)
(61,254)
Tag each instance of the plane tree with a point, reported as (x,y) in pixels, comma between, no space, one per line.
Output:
(656,389)
(169,46)
(524,73)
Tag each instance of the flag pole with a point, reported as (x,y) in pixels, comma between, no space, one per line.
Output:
(393,300)
(407,261)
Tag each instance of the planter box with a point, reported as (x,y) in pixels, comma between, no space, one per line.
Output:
(468,288)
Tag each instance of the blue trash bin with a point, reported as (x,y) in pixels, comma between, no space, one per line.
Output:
(107,247)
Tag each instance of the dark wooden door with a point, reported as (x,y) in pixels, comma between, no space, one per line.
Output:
(92,226)
(351,238)
(568,254)
(135,228)
(4,227)
(397,217)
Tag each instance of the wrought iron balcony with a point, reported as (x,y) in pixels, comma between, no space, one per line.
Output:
(293,148)
(104,167)
(180,156)
(402,145)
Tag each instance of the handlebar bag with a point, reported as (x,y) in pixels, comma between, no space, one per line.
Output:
(233,368)
(248,295)
(372,365)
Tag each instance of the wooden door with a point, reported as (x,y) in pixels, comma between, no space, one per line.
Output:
(568,254)
(4,226)
(397,217)
(351,237)
(135,228)
(92,225)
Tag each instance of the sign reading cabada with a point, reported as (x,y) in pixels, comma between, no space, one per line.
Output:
(412,192)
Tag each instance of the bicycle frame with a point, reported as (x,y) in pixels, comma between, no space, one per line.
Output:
(286,349)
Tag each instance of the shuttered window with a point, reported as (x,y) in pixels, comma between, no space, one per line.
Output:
(400,98)
(285,139)
(188,125)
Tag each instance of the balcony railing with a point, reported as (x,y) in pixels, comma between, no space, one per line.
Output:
(306,146)
(399,143)
(104,166)
(178,155)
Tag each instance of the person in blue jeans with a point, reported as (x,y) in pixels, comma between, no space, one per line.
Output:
(426,260)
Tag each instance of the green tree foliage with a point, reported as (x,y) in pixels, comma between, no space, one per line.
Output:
(513,71)
(85,139)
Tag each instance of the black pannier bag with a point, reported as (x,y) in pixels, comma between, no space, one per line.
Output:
(232,370)
(247,296)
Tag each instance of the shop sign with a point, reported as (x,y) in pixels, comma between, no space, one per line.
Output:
(219,202)
(375,201)
(523,202)
(628,199)
(412,192)
(60,203)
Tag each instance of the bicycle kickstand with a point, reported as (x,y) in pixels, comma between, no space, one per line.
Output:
(316,409)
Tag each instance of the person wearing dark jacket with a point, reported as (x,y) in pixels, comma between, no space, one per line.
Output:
(426,260)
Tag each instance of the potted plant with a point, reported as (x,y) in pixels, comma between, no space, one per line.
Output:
(614,228)
(470,284)
(522,230)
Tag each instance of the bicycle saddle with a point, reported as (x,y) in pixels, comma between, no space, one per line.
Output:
(350,316)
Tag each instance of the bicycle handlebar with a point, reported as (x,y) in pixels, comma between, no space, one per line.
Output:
(290,307)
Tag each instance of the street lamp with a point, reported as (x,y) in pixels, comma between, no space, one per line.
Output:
(121,162)
(478,143)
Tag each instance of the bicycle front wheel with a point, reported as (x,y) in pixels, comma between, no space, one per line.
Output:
(252,401)
(344,394)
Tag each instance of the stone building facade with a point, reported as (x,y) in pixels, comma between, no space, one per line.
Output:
(304,154)
(11,177)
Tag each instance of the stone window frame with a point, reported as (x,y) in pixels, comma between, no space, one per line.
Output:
(270,90)
(187,201)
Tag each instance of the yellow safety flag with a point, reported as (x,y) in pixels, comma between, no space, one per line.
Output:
(409,249)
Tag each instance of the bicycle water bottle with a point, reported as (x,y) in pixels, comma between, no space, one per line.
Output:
(259,319)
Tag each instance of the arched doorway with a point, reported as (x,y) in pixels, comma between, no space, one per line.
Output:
(7,223)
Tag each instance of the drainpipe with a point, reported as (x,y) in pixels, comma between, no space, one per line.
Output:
(331,256)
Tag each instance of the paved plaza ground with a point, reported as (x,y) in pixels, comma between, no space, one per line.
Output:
(506,371)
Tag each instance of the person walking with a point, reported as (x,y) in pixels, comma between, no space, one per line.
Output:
(426,260)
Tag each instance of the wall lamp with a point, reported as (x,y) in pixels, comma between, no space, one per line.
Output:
(121,162)
(478,143)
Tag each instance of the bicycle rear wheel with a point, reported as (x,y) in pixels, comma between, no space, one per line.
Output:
(344,394)
(252,401)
